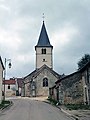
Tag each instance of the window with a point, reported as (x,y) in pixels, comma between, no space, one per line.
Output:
(45,82)
(43,51)
(8,86)
(43,60)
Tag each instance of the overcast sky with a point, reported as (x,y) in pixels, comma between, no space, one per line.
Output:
(68,27)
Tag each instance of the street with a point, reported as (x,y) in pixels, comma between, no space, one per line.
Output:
(27,109)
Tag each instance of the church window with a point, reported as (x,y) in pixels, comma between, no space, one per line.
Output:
(45,82)
(43,51)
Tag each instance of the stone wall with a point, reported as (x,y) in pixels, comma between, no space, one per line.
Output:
(73,89)
(27,89)
(86,85)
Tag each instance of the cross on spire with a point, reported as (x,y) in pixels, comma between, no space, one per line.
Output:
(43,17)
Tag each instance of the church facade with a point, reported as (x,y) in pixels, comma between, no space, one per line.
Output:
(38,82)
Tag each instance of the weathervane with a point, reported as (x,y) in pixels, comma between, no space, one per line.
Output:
(43,17)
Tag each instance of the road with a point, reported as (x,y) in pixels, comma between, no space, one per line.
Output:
(26,109)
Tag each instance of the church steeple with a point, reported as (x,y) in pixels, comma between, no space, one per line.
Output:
(43,40)
(43,49)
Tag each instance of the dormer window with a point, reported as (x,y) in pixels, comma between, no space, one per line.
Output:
(44,51)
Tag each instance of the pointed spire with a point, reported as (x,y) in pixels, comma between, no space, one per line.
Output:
(43,38)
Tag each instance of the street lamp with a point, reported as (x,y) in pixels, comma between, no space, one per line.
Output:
(9,64)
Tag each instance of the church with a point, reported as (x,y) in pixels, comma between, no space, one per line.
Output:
(38,82)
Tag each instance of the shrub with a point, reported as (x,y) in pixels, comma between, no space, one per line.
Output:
(77,106)
(52,101)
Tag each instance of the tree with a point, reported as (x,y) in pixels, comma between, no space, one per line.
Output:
(83,61)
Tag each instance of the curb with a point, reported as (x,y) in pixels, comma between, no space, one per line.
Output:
(73,116)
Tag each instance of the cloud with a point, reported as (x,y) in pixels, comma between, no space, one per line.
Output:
(3,7)
(67,24)
(9,40)
(64,35)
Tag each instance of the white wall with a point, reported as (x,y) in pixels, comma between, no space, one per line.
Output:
(11,91)
(1,78)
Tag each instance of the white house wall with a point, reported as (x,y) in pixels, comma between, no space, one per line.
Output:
(11,91)
(1,78)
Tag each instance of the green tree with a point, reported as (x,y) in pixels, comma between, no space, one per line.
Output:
(84,60)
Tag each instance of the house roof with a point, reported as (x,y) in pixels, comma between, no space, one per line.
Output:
(9,82)
(84,67)
(43,38)
(79,71)
(1,63)
(36,72)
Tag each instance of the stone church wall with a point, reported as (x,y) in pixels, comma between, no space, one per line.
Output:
(44,91)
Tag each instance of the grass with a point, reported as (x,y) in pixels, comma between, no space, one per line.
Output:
(4,104)
(77,107)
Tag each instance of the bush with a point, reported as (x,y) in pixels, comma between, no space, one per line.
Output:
(52,101)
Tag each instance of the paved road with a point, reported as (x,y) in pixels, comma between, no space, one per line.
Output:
(26,109)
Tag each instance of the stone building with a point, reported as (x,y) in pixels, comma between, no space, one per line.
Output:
(38,82)
(73,88)
(18,86)
(1,78)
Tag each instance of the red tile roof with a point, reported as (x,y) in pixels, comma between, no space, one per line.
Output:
(10,82)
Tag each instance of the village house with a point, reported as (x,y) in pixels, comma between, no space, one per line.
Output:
(38,82)
(1,78)
(10,87)
(18,86)
(13,87)
(73,88)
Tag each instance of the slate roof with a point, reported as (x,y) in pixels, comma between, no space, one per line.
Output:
(43,38)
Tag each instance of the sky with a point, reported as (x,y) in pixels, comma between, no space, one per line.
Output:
(68,26)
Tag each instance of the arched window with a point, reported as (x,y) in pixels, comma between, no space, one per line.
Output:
(45,82)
